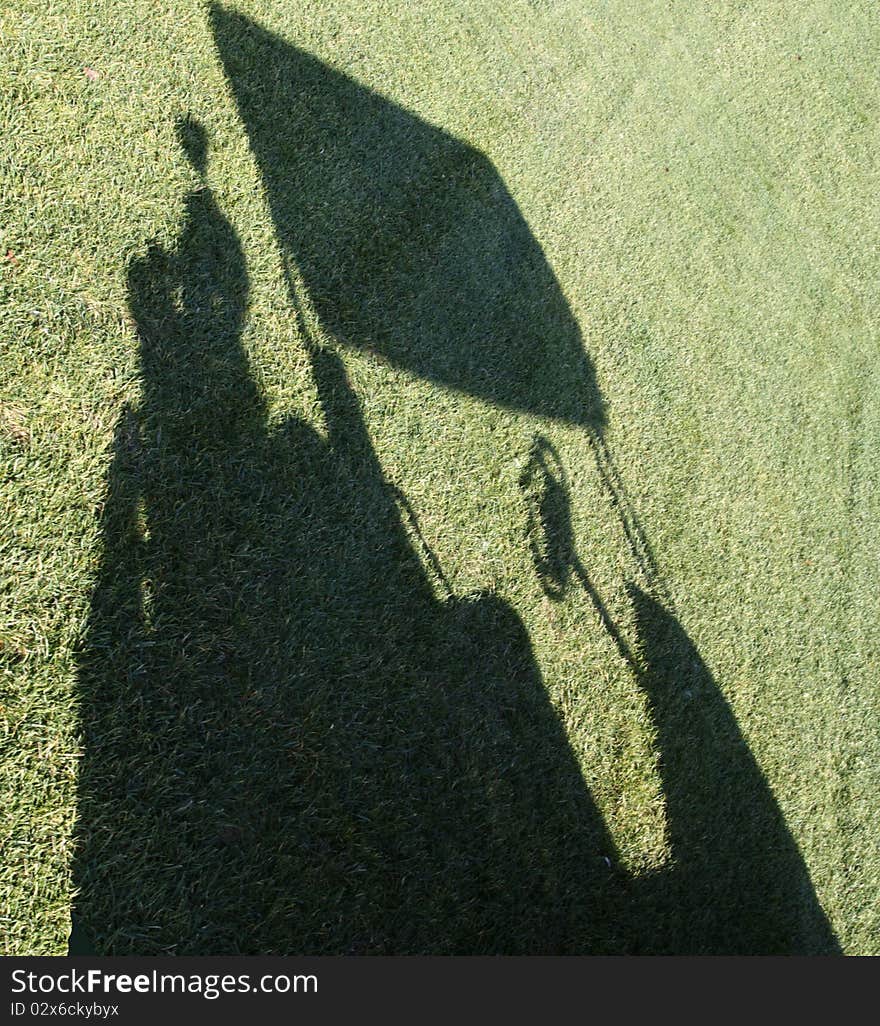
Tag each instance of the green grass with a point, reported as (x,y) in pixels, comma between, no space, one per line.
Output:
(450,523)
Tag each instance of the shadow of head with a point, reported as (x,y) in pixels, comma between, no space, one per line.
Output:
(406,238)
(189,302)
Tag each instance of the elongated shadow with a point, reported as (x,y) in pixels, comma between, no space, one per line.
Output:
(290,744)
(737,883)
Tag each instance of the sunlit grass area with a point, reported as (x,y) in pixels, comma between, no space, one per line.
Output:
(438,477)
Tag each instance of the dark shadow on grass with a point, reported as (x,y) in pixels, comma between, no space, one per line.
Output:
(407,240)
(737,883)
(292,745)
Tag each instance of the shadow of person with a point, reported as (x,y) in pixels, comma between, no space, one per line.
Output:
(736,883)
(291,744)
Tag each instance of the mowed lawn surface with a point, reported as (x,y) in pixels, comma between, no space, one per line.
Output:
(200,404)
